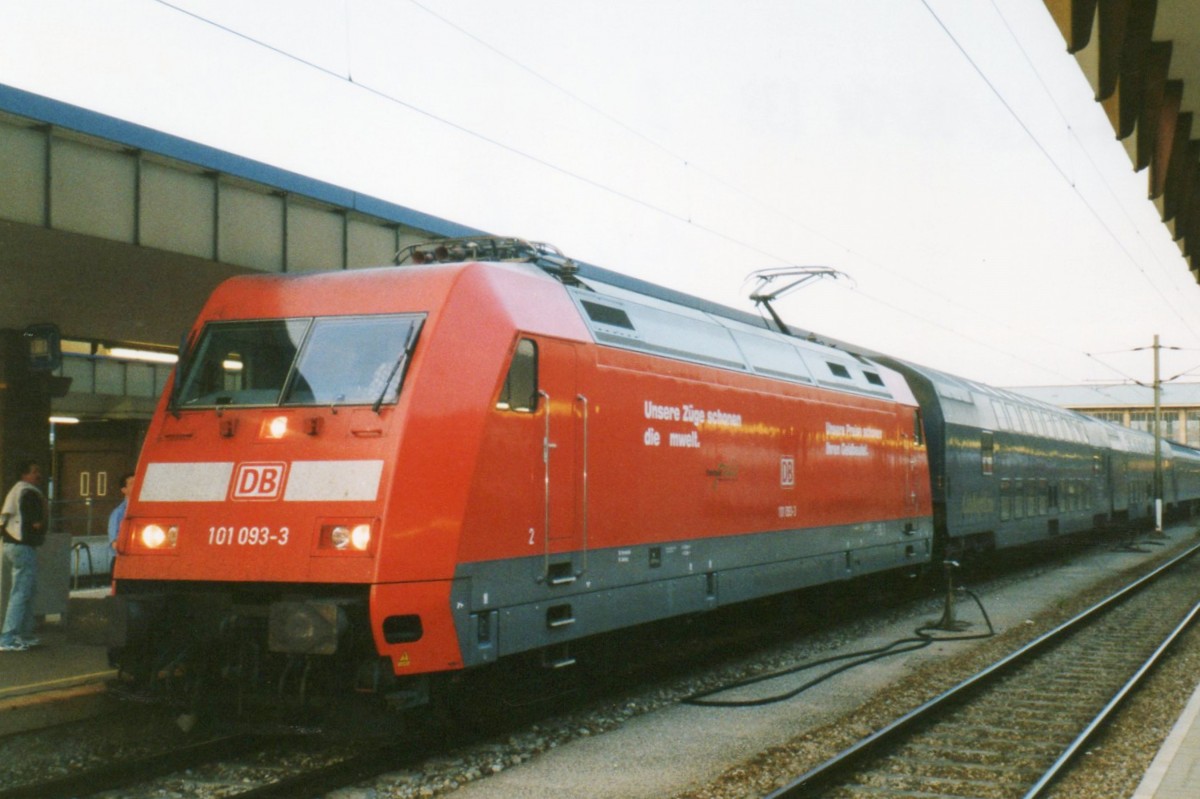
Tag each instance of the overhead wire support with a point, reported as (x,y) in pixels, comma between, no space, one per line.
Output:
(1156,387)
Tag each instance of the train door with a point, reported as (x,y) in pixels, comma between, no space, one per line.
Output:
(88,490)
(563,450)
(1118,479)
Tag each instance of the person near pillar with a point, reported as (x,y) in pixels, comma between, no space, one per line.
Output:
(118,515)
(23,519)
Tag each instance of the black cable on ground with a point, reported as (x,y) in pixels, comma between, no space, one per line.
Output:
(923,637)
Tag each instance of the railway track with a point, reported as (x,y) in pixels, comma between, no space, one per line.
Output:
(118,775)
(1015,727)
(238,772)
(248,775)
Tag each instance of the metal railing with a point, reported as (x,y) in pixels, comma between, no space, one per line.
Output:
(86,521)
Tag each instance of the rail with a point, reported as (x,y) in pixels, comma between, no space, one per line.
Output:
(133,775)
(1103,716)
(837,767)
(117,775)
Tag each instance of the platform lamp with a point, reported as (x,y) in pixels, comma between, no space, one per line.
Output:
(43,343)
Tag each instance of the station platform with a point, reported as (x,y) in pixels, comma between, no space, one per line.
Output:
(1175,771)
(58,681)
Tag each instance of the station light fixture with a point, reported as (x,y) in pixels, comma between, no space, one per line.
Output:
(150,356)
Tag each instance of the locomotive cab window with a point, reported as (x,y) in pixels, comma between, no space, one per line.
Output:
(352,361)
(241,363)
(520,390)
(337,360)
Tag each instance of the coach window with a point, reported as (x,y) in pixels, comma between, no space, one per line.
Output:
(987,450)
(520,390)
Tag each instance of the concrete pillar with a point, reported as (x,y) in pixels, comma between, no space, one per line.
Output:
(24,409)
(25,434)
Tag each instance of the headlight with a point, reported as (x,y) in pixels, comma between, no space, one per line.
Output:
(340,537)
(349,537)
(157,535)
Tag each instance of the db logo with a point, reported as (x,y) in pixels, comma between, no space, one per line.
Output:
(258,480)
(787,472)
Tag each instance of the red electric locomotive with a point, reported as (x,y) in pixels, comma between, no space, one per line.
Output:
(379,475)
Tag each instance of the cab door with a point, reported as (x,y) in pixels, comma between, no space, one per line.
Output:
(562,412)
(537,461)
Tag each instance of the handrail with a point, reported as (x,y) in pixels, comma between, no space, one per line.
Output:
(547,445)
(584,522)
(77,548)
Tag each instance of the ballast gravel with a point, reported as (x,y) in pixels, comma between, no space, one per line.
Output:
(654,747)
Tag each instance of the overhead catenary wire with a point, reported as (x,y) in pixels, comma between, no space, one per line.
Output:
(464,129)
(1080,144)
(631,197)
(771,207)
(1129,378)
(1054,163)
(689,162)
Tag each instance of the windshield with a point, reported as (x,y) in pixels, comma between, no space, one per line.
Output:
(338,360)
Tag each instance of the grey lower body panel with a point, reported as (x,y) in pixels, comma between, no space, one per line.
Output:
(1024,531)
(518,605)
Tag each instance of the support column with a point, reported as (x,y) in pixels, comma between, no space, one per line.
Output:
(25,434)
(24,410)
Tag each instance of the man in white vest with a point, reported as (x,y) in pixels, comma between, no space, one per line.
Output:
(24,528)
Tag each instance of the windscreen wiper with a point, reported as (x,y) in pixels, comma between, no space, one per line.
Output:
(396,367)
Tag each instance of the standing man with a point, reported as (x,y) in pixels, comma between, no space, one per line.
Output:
(24,518)
(118,515)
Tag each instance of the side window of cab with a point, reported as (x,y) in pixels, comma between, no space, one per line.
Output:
(520,390)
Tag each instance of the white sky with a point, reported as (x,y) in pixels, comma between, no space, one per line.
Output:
(690,142)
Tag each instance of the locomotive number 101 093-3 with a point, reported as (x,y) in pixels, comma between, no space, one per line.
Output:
(246,536)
